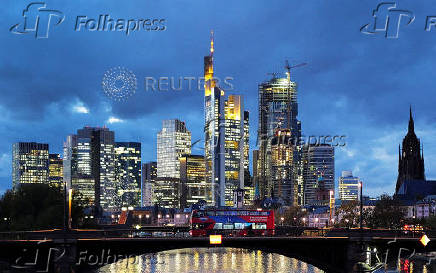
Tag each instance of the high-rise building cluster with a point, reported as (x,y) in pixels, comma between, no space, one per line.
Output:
(109,175)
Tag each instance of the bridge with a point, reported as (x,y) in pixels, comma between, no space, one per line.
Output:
(84,250)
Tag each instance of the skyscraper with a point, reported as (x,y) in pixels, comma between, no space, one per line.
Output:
(149,175)
(318,166)
(278,109)
(234,146)
(56,169)
(89,166)
(128,173)
(282,168)
(226,139)
(214,127)
(410,159)
(173,141)
(348,186)
(246,154)
(193,187)
(30,163)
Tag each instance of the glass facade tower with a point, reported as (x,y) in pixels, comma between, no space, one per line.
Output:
(30,163)
(128,173)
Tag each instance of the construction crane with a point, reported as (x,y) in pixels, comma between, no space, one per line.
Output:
(273,74)
(288,68)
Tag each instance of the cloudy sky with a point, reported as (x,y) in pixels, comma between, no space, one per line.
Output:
(355,84)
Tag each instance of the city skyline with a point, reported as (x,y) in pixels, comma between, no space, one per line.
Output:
(69,91)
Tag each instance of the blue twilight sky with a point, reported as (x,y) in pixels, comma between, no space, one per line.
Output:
(355,84)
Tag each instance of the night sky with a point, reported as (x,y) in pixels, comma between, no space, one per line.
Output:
(355,84)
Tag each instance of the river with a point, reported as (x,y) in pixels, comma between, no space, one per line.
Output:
(209,260)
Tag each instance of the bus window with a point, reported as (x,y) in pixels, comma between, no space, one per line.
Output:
(259,226)
(210,213)
(228,226)
(239,225)
(218,226)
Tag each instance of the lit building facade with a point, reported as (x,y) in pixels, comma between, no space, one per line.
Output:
(89,166)
(149,175)
(128,173)
(318,162)
(56,170)
(193,187)
(166,192)
(226,139)
(214,133)
(30,163)
(283,171)
(173,141)
(234,146)
(348,186)
(278,109)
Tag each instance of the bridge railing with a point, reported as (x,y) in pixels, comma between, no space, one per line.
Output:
(156,232)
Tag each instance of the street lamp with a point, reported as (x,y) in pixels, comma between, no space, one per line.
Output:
(304,221)
(282,219)
(316,222)
(70,199)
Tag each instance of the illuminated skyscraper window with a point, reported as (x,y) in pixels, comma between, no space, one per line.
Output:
(30,163)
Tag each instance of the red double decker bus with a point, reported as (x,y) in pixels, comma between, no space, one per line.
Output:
(232,222)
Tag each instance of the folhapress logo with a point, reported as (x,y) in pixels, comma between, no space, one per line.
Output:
(38,19)
(388,20)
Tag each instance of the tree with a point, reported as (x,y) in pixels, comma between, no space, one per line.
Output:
(292,216)
(387,213)
(35,206)
(348,214)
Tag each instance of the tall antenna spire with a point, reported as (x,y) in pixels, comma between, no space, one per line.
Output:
(411,123)
(211,43)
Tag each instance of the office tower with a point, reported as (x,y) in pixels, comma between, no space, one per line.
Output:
(246,154)
(348,186)
(89,166)
(278,109)
(282,169)
(255,177)
(173,141)
(234,145)
(214,133)
(410,159)
(128,173)
(149,174)
(318,166)
(226,139)
(166,192)
(193,187)
(56,170)
(30,163)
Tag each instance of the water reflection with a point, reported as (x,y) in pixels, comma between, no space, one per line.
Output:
(209,260)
